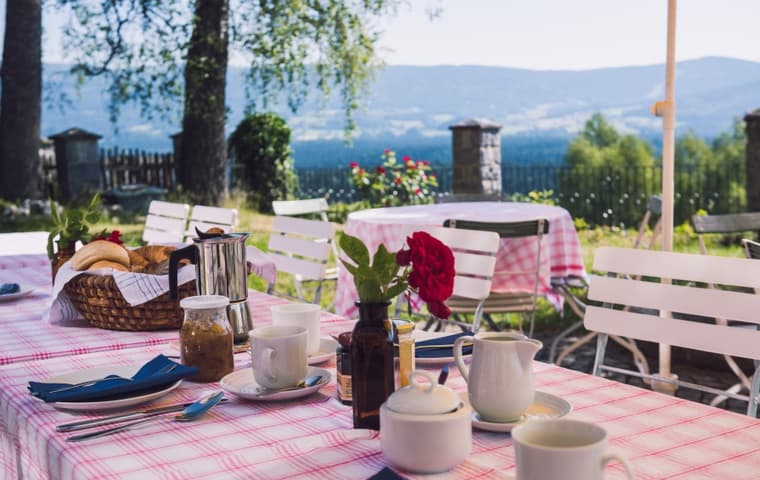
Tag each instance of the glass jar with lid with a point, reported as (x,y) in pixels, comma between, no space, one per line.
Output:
(205,338)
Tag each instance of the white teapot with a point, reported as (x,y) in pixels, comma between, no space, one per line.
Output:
(425,428)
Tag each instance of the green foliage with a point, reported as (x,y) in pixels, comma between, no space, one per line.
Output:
(395,183)
(73,224)
(611,176)
(377,279)
(261,143)
(338,212)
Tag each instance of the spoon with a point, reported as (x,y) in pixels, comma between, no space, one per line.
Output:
(308,382)
(193,411)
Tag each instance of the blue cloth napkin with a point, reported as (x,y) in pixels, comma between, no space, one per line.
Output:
(445,351)
(386,474)
(7,288)
(154,375)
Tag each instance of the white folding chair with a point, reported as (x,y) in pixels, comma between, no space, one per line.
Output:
(23,243)
(307,206)
(474,263)
(301,248)
(204,218)
(658,301)
(521,302)
(165,222)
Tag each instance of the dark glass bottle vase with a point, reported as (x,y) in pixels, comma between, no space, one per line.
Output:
(372,378)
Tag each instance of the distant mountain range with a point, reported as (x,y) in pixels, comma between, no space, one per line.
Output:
(411,105)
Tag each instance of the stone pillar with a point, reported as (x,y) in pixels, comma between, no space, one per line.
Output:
(752,165)
(77,162)
(476,156)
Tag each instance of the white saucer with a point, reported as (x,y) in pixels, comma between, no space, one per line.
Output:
(95,373)
(24,291)
(327,346)
(545,405)
(242,384)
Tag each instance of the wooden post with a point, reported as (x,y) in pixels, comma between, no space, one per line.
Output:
(752,164)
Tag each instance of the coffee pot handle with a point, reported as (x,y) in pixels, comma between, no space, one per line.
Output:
(458,356)
(189,252)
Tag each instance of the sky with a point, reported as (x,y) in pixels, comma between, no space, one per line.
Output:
(544,34)
(569,34)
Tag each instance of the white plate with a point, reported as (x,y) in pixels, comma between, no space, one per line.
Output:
(24,291)
(327,346)
(95,373)
(421,336)
(545,405)
(242,384)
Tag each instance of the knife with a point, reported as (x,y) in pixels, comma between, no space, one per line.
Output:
(123,417)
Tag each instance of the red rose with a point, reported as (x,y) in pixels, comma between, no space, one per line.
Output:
(432,267)
(386,151)
(397,180)
(380,170)
(425,162)
(439,309)
(416,191)
(407,159)
(353,164)
(115,237)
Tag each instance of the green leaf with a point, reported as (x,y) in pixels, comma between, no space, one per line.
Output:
(369,291)
(51,236)
(354,249)
(384,265)
(350,267)
(395,290)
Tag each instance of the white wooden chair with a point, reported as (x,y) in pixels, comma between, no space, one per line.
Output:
(204,218)
(301,248)
(474,263)
(310,207)
(623,288)
(165,222)
(520,302)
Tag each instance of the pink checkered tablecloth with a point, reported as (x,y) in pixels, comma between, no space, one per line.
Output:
(312,438)
(13,262)
(27,336)
(560,249)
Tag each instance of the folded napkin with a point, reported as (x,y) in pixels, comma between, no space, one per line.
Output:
(7,288)
(386,474)
(159,372)
(446,349)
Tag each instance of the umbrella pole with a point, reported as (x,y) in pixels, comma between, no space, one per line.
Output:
(668,111)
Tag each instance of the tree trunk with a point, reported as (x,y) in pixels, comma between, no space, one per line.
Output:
(20,105)
(752,127)
(203,156)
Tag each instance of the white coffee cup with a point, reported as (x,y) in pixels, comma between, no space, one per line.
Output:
(562,450)
(301,315)
(279,355)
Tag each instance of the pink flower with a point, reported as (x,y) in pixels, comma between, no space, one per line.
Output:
(425,162)
(407,159)
(353,164)
(386,151)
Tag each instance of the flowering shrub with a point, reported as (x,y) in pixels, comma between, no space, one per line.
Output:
(427,269)
(393,183)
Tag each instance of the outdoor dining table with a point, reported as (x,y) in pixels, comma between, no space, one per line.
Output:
(313,438)
(560,250)
(27,334)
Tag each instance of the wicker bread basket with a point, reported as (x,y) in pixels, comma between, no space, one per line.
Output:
(100,302)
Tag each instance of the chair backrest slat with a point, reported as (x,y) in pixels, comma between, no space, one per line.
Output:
(300,247)
(204,217)
(678,266)
(504,229)
(751,248)
(304,227)
(298,266)
(728,223)
(707,337)
(299,207)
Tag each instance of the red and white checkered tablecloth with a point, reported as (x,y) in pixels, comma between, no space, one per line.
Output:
(312,438)
(560,249)
(27,336)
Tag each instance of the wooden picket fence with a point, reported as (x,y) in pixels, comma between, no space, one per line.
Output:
(126,167)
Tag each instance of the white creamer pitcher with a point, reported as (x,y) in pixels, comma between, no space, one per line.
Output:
(500,378)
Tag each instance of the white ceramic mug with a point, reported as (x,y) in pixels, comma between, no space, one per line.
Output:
(279,355)
(562,450)
(500,378)
(301,315)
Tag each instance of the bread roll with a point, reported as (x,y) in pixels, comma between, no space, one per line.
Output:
(99,250)
(136,260)
(214,231)
(155,253)
(108,264)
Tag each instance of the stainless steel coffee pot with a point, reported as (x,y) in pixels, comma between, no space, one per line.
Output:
(221,269)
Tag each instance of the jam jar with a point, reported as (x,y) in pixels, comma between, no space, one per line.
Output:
(205,338)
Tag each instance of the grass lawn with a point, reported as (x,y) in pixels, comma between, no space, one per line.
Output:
(259,226)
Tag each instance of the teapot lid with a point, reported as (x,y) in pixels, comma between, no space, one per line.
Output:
(423,399)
